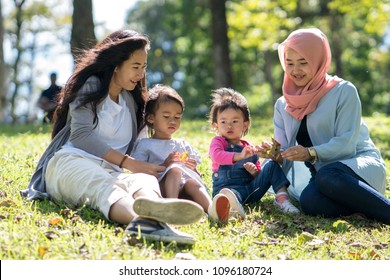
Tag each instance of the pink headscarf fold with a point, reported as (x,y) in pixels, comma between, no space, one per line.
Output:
(312,45)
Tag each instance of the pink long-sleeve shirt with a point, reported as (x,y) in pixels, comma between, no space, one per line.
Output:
(219,155)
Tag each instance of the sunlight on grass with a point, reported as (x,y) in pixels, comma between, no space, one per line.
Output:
(44,230)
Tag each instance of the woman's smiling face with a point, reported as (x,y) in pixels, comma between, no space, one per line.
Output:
(130,72)
(297,68)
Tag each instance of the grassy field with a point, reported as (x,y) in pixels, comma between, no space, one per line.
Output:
(44,230)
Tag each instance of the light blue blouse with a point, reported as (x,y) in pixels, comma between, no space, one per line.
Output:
(337,132)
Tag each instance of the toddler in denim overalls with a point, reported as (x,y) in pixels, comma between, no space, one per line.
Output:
(237,176)
(244,185)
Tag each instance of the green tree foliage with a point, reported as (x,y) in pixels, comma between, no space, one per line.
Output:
(255,28)
(182,48)
(355,29)
(361,31)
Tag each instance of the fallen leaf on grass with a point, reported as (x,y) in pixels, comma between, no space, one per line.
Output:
(50,235)
(67,213)
(42,250)
(381,246)
(184,256)
(117,231)
(355,255)
(77,233)
(341,226)
(65,232)
(284,257)
(357,245)
(7,203)
(259,221)
(83,250)
(73,216)
(132,240)
(261,243)
(309,239)
(315,242)
(270,241)
(55,221)
(308,236)
(273,240)
(374,255)
(305,237)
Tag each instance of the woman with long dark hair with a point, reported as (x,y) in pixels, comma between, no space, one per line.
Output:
(99,117)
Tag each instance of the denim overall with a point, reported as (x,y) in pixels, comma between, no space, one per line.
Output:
(246,187)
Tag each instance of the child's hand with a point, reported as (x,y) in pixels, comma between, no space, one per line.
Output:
(184,156)
(191,164)
(263,149)
(172,158)
(251,168)
(269,150)
(245,153)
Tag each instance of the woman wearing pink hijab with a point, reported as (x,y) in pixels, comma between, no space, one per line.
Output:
(318,121)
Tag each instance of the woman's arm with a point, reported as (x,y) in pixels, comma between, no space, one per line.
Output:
(133,165)
(341,140)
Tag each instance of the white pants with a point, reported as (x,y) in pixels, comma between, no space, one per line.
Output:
(78,180)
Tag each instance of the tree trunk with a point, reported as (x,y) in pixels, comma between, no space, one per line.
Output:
(335,42)
(269,63)
(3,69)
(19,52)
(221,60)
(83,28)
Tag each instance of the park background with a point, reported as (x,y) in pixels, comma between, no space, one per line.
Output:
(196,46)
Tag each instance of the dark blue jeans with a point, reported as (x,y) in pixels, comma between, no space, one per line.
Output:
(247,188)
(335,190)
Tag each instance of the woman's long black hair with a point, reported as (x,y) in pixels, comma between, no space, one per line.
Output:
(100,61)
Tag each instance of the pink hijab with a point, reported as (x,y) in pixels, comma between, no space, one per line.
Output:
(312,45)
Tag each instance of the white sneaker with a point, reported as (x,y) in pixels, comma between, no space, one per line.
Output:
(168,210)
(219,209)
(286,206)
(235,206)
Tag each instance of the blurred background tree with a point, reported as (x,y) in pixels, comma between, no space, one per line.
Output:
(32,28)
(200,45)
(83,27)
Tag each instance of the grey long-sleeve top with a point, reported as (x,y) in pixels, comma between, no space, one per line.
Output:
(79,129)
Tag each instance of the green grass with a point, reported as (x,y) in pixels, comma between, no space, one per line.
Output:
(44,230)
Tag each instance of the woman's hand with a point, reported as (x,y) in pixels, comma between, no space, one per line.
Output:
(137,166)
(296,153)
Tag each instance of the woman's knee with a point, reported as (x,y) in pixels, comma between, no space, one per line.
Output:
(143,179)
(329,178)
(144,184)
